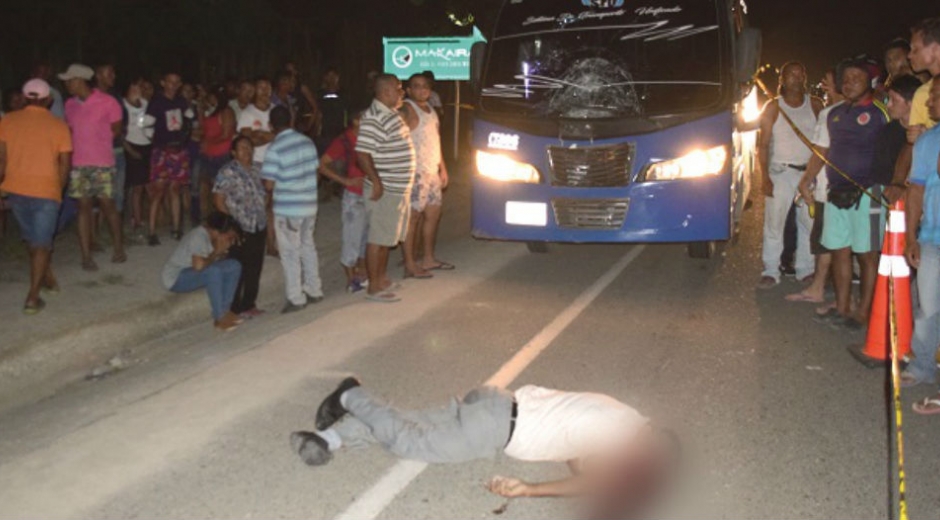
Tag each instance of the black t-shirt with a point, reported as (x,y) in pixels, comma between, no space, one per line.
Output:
(891,140)
(333,108)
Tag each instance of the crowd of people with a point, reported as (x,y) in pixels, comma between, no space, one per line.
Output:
(836,166)
(244,162)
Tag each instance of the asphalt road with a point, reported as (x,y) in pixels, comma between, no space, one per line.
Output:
(777,420)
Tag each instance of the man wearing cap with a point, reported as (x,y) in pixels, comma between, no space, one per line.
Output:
(851,221)
(96,120)
(35,154)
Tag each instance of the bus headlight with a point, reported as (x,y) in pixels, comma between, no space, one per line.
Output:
(502,168)
(698,163)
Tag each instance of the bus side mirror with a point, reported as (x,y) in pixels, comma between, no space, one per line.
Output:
(748,54)
(477,55)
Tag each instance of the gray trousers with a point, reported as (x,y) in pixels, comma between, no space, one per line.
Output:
(475,427)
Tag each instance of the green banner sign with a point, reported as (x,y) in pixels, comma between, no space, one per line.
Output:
(447,58)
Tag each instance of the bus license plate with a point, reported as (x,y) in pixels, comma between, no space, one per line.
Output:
(527,213)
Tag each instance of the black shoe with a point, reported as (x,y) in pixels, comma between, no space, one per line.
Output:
(312,448)
(788,270)
(314,299)
(331,409)
(290,307)
(153,240)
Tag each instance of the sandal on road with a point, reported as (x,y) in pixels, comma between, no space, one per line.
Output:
(34,307)
(89,265)
(928,405)
(421,275)
(441,266)
(119,257)
(909,380)
(383,297)
(803,297)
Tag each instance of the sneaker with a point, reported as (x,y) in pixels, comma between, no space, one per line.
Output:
(354,286)
(153,240)
(314,299)
(290,307)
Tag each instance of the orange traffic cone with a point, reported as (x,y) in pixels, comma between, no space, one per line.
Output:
(877,348)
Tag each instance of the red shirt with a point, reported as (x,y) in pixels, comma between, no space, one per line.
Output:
(343,148)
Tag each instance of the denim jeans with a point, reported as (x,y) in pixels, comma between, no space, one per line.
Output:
(926,315)
(220,280)
(355,229)
(786,182)
(36,218)
(298,257)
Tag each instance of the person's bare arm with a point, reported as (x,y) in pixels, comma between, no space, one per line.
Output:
(117,129)
(218,200)
(410,116)
(817,105)
(368,167)
(326,170)
(65,164)
(813,167)
(3,160)
(261,137)
(220,249)
(445,179)
(902,167)
(575,485)
(767,120)
(913,211)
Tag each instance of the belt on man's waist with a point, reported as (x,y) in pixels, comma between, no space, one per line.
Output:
(512,420)
(797,167)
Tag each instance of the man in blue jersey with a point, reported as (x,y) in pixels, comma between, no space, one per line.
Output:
(290,175)
(851,221)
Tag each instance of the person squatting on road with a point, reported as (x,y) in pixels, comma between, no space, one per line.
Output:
(618,460)
(201,260)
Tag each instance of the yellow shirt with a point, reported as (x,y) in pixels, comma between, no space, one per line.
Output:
(919,113)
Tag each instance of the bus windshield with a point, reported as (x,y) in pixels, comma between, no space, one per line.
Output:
(604,59)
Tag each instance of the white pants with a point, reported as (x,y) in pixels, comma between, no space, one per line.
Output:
(786,186)
(298,257)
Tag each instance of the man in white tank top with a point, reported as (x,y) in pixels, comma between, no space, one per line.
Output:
(616,458)
(430,180)
(783,158)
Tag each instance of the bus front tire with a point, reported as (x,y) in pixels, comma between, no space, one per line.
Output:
(537,247)
(702,250)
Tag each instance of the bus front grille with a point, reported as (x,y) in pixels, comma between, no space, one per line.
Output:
(604,166)
(590,213)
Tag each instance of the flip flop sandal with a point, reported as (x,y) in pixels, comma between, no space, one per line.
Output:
(89,265)
(118,258)
(909,381)
(802,297)
(830,316)
(30,310)
(383,297)
(420,276)
(442,266)
(927,406)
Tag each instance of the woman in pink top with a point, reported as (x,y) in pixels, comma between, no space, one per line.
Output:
(217,120)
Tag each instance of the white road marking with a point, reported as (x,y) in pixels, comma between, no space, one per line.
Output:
(373,501)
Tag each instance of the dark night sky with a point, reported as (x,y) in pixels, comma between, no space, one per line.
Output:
(820,33)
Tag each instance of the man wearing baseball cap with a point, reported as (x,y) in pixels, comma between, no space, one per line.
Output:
(35,154)
(96,120)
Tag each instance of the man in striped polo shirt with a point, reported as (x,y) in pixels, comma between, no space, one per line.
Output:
(290,175)
(387,156)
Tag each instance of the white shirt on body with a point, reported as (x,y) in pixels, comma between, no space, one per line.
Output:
(256,119)
(558,426)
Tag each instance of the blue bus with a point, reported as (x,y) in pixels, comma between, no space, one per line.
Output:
(615,121)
